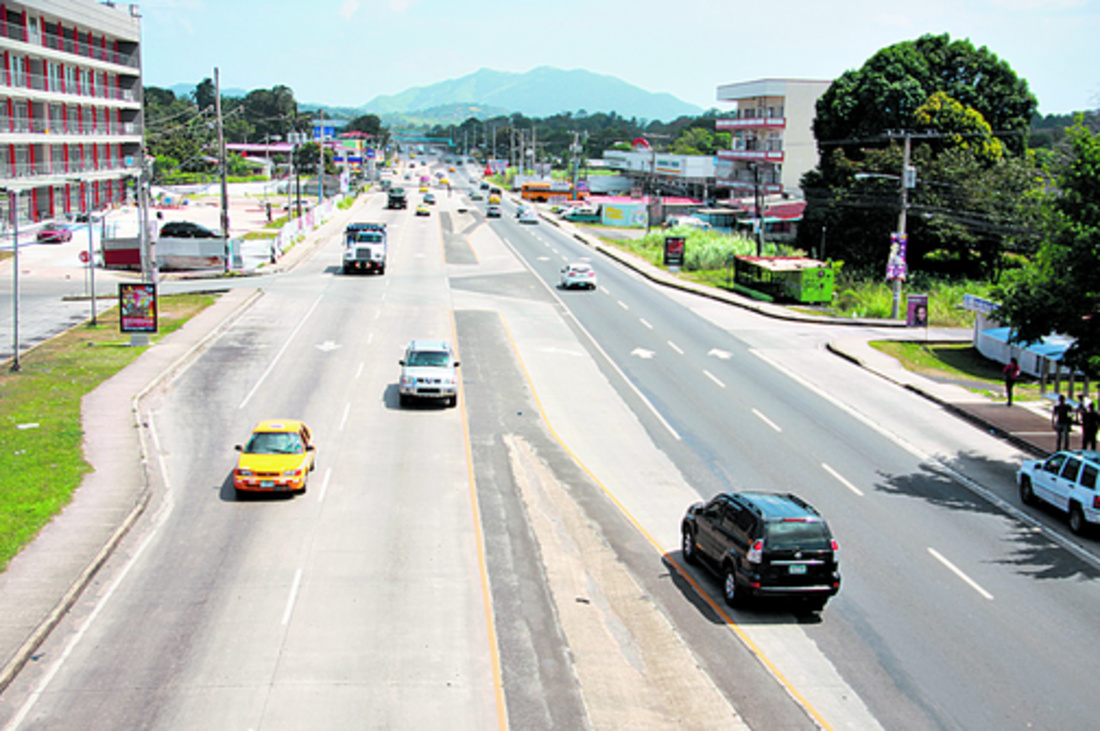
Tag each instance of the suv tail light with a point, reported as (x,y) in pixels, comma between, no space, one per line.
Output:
(835,545)
(756,552)
(1096,502)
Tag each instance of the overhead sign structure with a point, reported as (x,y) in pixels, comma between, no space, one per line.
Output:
(137,306)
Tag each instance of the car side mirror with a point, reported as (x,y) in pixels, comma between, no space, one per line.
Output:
(400,362)
(457,364)
(311,447)
(238,447)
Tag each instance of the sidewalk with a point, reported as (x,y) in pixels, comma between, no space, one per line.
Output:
(44,580)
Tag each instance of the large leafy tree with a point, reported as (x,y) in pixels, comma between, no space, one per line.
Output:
(1060,290)
(966,113)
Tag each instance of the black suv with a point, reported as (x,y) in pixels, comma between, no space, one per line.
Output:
(186,230)
(763,545)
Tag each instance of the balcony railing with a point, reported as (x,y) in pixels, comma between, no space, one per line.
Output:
(101,127)
(42,82)
(50,40)
(52,169)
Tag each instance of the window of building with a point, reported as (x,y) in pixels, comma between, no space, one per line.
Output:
(18,71)
(53,76)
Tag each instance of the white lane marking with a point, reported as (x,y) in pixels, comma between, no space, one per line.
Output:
(377,314)
(840,478)
(642,320)
(630,384)
(324,485)
(675,347)
(642,353)
(383,299)
(359,370)
(282,350)
(370,338)
(542,258)
(766,420)
(721,354)
(344,420)
(958,572)
(293,596)
(713,377)
(327,347)
(623,304)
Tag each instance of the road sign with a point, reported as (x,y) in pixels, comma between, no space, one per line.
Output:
(84,257)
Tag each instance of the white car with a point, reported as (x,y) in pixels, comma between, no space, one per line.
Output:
(428,371)
(578,275)
(528,216)
(1066,480)
(492,211)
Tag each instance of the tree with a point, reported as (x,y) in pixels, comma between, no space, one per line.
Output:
(966,112)
(204,94)
(1059,291)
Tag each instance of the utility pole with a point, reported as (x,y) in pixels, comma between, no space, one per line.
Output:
(321,161)
(221,154)
(902,242)
(759,209)
(91,249)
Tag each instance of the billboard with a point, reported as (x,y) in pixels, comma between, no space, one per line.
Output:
(137,307)
(916,310)
(674,251)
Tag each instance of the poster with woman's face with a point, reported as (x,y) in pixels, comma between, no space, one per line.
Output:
(917,310)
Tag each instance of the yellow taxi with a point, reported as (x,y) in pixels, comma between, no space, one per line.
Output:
(423,189)
(278,457)
(422,209)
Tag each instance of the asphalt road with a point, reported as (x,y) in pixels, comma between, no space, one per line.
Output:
(514,562)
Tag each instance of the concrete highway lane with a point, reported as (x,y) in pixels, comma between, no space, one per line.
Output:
(936,613)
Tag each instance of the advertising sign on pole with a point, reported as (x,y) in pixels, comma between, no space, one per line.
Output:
(916,310)
(674,251)
(137,306)
(895,266)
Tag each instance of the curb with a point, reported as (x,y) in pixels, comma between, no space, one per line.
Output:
(70,597)
(963,414)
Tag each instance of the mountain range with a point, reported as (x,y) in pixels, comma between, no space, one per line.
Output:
(540,92)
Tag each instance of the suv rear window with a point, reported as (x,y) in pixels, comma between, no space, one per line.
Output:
(810,535)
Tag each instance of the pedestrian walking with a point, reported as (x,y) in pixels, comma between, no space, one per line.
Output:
(1011,372)
(1090,424)
(1061,419)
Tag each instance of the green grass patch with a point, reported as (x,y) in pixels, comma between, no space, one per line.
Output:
(960,363)
(44,464)
(264,233)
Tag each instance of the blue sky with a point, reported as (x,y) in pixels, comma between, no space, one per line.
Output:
(345,52)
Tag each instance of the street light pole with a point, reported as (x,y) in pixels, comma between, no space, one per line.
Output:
(15,278)
(91,250)
(896,304)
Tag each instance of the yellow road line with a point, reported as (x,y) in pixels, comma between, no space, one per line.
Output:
(752,646)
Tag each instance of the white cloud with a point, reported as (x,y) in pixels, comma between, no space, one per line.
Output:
(348,9)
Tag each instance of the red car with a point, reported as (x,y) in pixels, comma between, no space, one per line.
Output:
(55,232)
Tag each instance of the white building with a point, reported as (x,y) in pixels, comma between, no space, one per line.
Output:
(773,143)
(70,105)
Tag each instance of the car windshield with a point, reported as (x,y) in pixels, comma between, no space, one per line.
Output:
(430,358)
(798,535)
(275,443)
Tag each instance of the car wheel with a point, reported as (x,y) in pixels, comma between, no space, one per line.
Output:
(729,586)
(687,547)
(815,605)
(452,402)
(240,494)
(1076,519)
(404,399)
(347,270)
(1027,495)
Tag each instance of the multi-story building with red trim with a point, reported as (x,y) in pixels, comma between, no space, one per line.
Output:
(773,142)
(70,105)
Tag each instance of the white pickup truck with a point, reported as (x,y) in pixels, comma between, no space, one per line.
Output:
(365,248)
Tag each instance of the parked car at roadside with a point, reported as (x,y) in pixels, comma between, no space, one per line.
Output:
(186,230)
(1067,481)
(55,232)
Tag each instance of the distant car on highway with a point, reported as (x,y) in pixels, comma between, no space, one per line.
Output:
(475,195)
(578,275)
(528,216)
(1066,480)
(492,211)
(429,198)
(278,457)
(422,209)
(428,371)
(186,230)
(763,544)
(55,232)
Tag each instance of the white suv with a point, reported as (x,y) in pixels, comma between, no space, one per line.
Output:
(428,371)
(1066,480)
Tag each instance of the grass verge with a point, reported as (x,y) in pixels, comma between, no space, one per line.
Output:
(41,454)
(959,363)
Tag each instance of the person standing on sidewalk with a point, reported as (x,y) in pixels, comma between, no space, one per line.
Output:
(1011,373)
(1061,419)
(1090,424)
